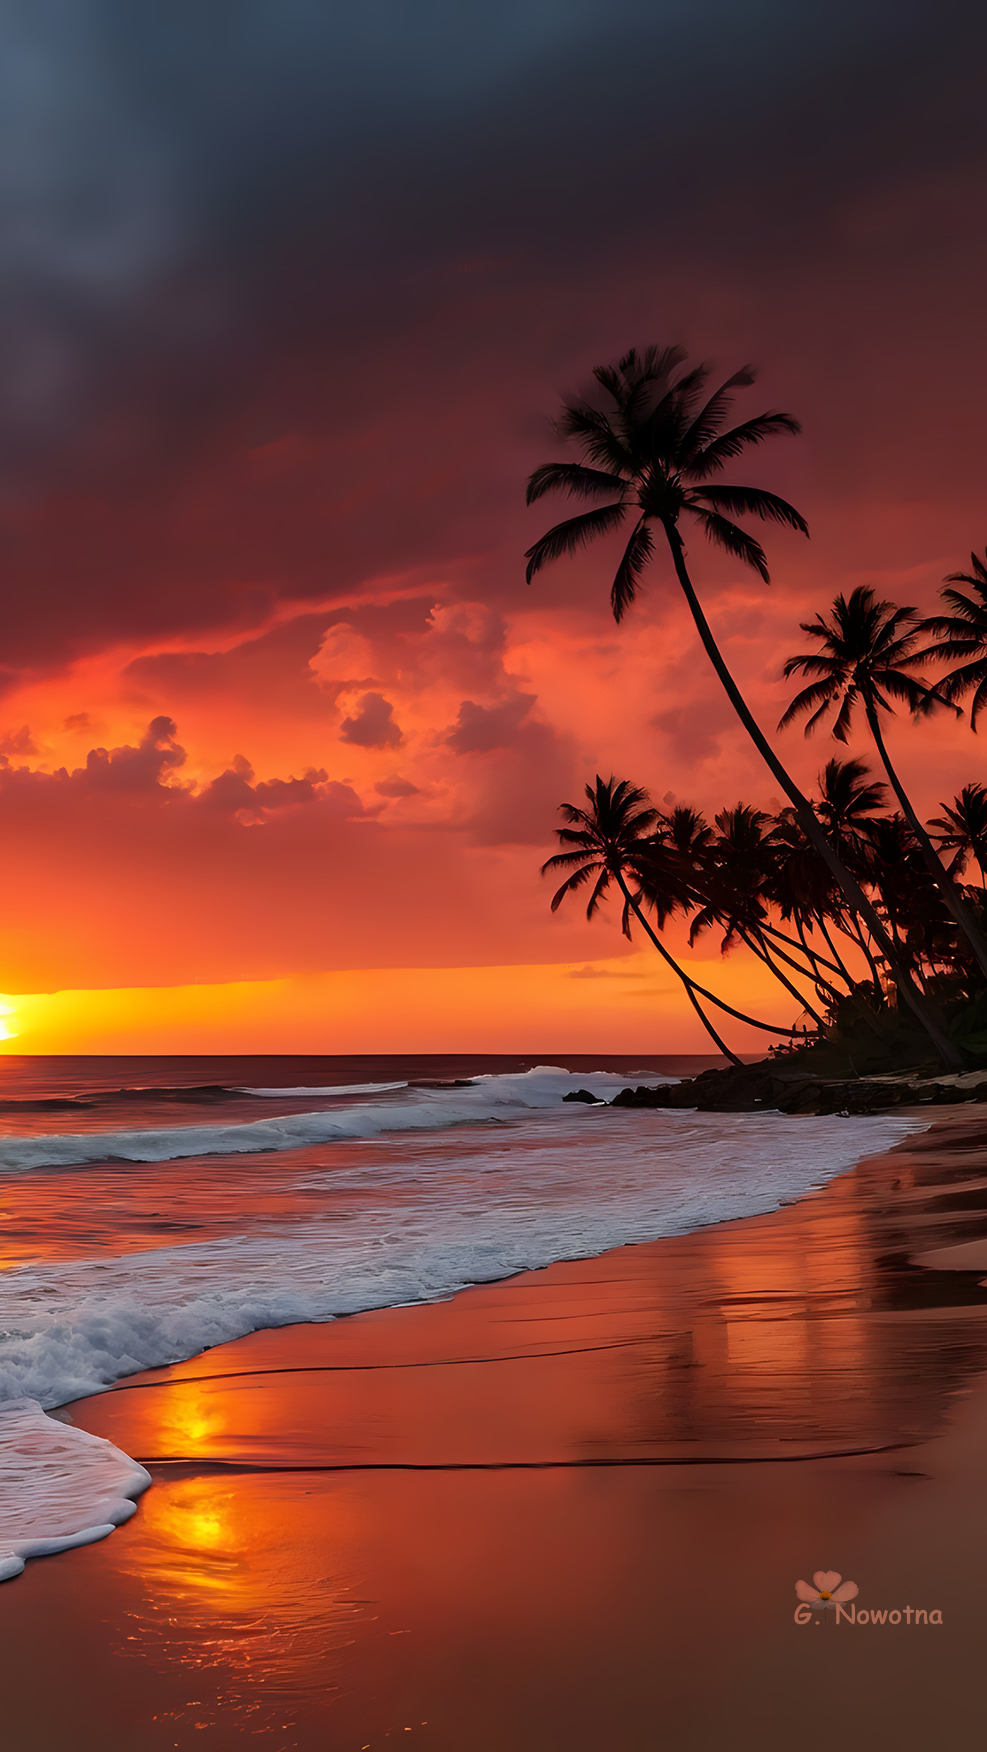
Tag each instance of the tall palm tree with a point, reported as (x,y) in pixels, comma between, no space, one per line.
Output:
(867,656)
(963,634)
(963,826)
(651,444)
(611,840)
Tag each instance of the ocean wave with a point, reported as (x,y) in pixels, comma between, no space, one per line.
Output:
(309,1092)
(487,1098)
(414,1223)
(431,1225)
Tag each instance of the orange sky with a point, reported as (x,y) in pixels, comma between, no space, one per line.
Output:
(265,495)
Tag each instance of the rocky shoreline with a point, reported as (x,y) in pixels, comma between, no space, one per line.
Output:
(766,1086)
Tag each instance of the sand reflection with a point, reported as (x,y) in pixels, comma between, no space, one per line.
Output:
(246,1586)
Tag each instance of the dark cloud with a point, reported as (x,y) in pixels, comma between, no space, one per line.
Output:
(373,726)
(397,787)
(234,792)
(479,729)
(129,769)
(253,256)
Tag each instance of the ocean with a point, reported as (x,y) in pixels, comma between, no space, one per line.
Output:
(153,1207)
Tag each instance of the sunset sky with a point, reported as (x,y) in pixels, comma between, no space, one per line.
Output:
(290,295)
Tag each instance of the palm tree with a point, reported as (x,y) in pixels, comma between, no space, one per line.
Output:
(741,870)
(605,843)
(848,801)
(963,825)
(848,796)
(651,444)
(963,634)
(867,656)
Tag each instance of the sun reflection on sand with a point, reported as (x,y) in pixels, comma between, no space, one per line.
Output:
(240,1588)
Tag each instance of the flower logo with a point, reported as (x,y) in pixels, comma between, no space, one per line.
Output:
(829,1589)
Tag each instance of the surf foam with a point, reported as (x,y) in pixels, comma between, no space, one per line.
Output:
(414,1221)
(59,1486)
(491,1097)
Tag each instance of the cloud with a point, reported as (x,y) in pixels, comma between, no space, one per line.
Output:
(479,729)
(18,742)
(397,787)
(373,726)
(143,768)
(591,972)
(234,793)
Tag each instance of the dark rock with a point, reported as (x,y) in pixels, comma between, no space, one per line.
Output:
(644,1097)
(583,1095)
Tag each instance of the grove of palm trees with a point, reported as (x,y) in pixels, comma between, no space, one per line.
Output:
(873,922)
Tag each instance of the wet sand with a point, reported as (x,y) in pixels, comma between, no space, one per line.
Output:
(566,1511)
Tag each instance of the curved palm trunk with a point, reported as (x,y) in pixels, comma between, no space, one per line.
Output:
(941,877)
(763,954)
(916,1000)
(711,997)
(690,992)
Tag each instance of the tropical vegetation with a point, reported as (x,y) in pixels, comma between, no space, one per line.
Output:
(847,902)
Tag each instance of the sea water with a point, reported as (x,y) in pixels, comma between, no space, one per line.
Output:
(150,1209)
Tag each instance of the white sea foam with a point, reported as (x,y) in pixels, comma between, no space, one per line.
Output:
(491,1097)
(309,1089)
(414,1219)
(59,1486)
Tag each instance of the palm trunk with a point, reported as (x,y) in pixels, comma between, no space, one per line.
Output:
(965,922)
(763,954)
(711,997)
(676,969)
(814,962)
(917,1002)
(842,967)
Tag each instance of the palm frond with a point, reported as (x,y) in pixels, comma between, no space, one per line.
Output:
(844,717)
(723,449)
(979,573)
(813,663)
(569,537)
(979,702)
(594,432)
(572,478)
(710,418)
(821,693)
(919,698)
(751,502)
(722,533)
(656,405)
(636,555)
(572,883)
(599,891)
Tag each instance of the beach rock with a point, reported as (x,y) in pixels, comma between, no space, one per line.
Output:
(584,1095)
(765,1086)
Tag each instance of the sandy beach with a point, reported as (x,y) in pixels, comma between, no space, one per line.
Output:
(563,1511)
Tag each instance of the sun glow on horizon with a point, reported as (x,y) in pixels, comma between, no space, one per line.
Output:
(622,1005)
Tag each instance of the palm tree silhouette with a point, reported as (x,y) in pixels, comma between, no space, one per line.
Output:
(612,839)
(848,796)
(963,634)
(651,444)
(867,657)
(848,800)
(963,825)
